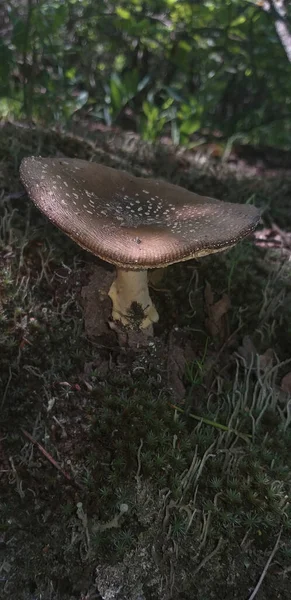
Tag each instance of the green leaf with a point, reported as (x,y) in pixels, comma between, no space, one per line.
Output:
(190,126)
(10,107)
(146,107)
(116,95)
(71,73)
(185,46)
(123,13)
(238,21)
(130,83)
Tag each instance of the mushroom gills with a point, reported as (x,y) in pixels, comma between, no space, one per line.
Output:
(131,301)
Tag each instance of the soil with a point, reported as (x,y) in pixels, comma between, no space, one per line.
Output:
(135,467)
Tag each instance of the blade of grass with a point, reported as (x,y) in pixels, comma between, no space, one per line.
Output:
(244,436)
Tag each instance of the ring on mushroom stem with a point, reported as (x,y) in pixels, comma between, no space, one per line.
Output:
(132,222)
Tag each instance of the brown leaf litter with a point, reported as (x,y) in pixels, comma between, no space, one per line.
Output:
(247,351)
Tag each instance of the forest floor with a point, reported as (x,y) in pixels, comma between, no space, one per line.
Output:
(144,472)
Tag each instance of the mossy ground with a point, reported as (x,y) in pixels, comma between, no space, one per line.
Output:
(150,504)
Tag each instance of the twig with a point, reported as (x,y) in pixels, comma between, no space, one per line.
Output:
(265,569)
(50,458)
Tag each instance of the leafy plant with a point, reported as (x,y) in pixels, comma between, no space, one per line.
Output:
(169,67)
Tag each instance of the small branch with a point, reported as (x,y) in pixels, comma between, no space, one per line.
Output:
(277,9)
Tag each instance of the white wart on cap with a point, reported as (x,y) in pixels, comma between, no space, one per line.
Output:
(134,223)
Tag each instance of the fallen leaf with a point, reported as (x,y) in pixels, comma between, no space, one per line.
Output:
(216,311)
(252,357)
(267,359)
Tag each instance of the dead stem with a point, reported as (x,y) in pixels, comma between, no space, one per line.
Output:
(266,567)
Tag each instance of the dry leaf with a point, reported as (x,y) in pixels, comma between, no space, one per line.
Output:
(249,353)
(267,359)
(215,322)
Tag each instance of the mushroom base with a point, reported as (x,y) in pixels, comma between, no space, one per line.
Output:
(131,301)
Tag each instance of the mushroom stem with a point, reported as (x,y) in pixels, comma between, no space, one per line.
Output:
(131,301)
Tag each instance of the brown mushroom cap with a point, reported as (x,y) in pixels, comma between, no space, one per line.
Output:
(132,222)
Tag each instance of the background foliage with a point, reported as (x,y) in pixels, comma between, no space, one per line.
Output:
(188,69)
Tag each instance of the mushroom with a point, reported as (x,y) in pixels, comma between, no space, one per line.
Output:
(132,222)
